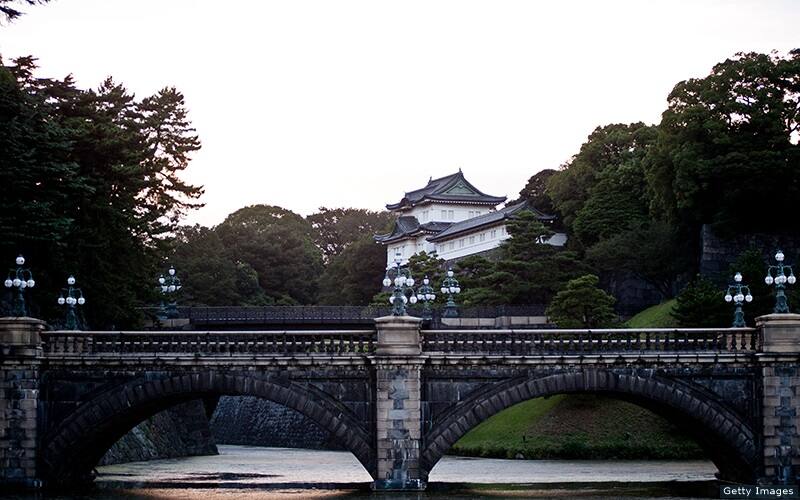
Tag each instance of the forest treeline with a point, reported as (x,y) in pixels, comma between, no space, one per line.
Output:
(91,186)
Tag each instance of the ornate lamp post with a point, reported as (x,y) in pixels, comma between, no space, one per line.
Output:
(71,296)
(19,278)
(450,287)
(403,282)
(780,280)
(169,287)
(736,294)
(426,296)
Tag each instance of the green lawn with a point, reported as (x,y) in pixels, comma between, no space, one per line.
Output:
(654,317)
(576,427)
(582,426)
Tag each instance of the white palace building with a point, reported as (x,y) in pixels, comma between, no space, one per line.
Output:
(452,218)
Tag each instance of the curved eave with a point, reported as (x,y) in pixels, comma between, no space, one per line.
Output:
(388,238)
(473,229)
(465,200)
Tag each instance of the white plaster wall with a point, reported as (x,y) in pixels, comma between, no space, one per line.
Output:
(458,246)
(472,243)
(433,212)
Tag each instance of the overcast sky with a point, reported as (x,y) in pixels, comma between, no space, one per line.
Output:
(349,103)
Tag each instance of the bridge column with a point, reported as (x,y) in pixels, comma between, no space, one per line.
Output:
(20,357)
(398,367)
(780,376)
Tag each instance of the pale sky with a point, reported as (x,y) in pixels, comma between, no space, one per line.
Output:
(303,103)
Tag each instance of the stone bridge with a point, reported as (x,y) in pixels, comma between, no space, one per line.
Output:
(396,396)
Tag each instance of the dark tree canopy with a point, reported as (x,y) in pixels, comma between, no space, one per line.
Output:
(582,304)
(727,151)
(9,9)
(93,194)
(353,276)
(610,158)
(528,271)
(535,192)
(278,244)
(336,228)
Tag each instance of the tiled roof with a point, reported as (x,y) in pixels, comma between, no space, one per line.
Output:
(487,220)
(406,226)
(451,188)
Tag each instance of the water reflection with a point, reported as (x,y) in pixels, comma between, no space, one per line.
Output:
(280,473)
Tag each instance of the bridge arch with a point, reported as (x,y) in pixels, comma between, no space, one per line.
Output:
(723,434)
(75,447)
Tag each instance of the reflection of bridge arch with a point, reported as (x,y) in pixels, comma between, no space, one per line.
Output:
(728,440)
(74,448)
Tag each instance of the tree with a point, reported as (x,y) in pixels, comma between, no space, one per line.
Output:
(337,228)
(581,304)
(353,276)
(10,12)
(653,252)
(612,147)
(535,192)
(527,272)
(700,305)
(277,243)
(427,265)
(209,275)
(100,210)
(727,150)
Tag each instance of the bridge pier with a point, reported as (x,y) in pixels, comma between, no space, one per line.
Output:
(398,419)
(20,360)
(780,376)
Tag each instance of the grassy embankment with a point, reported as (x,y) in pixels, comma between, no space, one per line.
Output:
(581,426)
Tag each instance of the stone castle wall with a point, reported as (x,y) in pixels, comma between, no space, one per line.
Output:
(181,431)
(252,421)
(718,253)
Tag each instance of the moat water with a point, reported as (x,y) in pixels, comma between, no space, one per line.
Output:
(281,473)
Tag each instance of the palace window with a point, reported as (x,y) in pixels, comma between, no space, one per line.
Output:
(471,240)
(444,214)
(494,233)
(450,213)
(461,243)
(483,236)
(452,245)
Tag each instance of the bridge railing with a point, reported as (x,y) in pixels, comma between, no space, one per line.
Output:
(226,315)
(327,342)
(559,341)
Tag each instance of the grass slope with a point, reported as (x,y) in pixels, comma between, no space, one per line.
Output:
(582,426)
(577,427)
(654,317)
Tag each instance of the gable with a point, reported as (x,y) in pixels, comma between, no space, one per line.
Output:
(461,188)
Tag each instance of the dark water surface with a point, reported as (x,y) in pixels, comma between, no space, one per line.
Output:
(265,473)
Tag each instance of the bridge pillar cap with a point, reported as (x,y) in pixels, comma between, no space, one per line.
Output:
(398,336)
(21,330)
(778,318)
(780,333)
(398,319)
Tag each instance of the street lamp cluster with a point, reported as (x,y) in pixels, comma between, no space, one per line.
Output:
(71,297)
(170,285)
(403,291)
(738,293)
(450,287)
(18,280)
(779,280)
(776,276)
